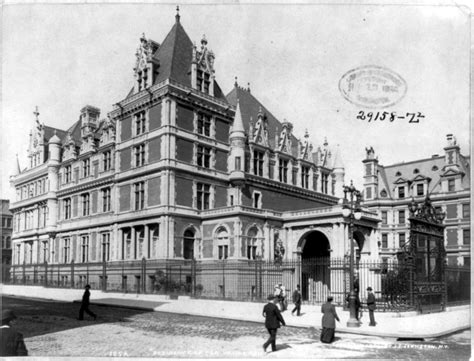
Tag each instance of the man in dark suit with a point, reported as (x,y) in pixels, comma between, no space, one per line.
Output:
(85,304)
(273,318)
(297,301)
(11,341)
(371,306)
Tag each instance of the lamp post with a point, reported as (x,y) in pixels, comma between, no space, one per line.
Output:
(351,209)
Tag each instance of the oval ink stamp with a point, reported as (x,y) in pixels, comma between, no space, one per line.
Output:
(372,86)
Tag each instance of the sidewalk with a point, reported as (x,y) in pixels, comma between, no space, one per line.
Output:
(392,325)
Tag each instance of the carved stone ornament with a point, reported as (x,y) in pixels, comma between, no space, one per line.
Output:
(284,144)
(260,133)
(305,147)
(69,147)
(143,55)
(204,57)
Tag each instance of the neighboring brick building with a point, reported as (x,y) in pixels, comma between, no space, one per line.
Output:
(178,171)
(388,190)
(7,229)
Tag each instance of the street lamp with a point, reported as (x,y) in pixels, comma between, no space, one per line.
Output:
(351,209)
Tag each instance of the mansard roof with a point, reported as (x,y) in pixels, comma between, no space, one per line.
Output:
(431,168)
(249,108)
(49,133)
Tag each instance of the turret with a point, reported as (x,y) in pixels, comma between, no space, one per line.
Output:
(237,149)
(370,174)
(338,171)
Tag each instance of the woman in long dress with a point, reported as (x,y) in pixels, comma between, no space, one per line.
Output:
(329,321)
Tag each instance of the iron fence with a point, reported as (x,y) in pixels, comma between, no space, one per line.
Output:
(244,280)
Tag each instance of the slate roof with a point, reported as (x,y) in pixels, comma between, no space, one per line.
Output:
(174,57)
(49,132)
(249,107)
(432,168)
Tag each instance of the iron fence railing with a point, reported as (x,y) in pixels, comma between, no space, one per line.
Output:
(245,280)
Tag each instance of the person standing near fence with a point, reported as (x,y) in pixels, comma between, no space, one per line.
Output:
(11,341)
(297,301)
(371,306)
(329,321)
(85,305)
(273,320)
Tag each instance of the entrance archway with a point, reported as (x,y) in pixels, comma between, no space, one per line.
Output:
(315,262)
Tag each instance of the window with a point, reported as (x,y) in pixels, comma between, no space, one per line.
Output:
(466,236)
(305,177)
(127,243)
(84,249)
(44,257)
(107,160)
(66,245)
(43,216)
(202,81)
(188,244)
(223,243)
(106,200)
(140,241)
(283,170)
(384,240)
(419,189)
(203,195)
(324,183)
(8,243)
(466,261)
(257,200)
(451,185)
(203,156)
(401,192)
(368,169)
(223,251)
(85,204)
(368,192)
(401,217)
(451,211)
(67,174)
(258,163)
(384,217)
(204,125)
(466,211)
(252,243)
(139,190)
(401,239)
(140,123)
(105,247)
(238,163)
(139,152)
(67,208)
(86,167)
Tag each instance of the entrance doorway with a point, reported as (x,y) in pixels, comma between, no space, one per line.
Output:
(315,262)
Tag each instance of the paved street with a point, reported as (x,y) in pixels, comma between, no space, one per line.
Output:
(51,329)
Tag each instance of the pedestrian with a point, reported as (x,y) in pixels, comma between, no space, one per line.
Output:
(283,300)
(357,304)
(85,304)
(11,341)
(273,320)
(277,294)
(371,306)
(329,321)
(297,301)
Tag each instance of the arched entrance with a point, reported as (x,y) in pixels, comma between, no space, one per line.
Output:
(315,262)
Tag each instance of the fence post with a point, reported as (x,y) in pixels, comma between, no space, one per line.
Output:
(143,275)
(45,274)
(72,273)
(193,277)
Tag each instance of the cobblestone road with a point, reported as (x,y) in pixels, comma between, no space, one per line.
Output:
(51,329)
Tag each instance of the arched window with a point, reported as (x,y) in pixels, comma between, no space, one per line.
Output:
(252,243)
(222,243)
(188,244)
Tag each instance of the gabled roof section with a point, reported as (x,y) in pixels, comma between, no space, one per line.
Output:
(175,56)
(49,132)
(249,108)
(75,131)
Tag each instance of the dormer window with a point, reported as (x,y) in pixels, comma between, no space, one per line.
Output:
(416,171)
(67,174)
(283,170)
(258,163)
(398,174)
(203,81)
(305,177)
(401,192)
(86,167)
(420,189)
(451,185)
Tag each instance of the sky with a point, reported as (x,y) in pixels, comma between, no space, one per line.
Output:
(62,57)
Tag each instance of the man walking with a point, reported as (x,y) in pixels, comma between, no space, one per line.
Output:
(297,301)
(85,304)
(273,319)
(11,341)
(371,306)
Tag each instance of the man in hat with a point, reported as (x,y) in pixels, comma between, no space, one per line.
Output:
(273,319)
(85,304)
(297,301)
(11,341)
(371,306)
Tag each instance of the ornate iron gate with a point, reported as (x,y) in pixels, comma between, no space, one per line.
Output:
(425,258)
